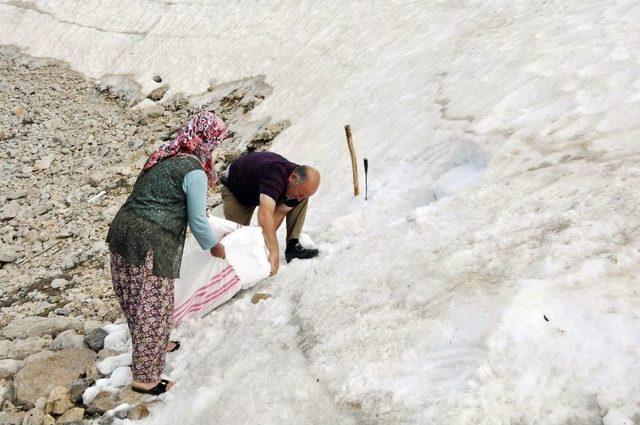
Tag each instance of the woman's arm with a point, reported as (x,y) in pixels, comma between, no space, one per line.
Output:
(194,185)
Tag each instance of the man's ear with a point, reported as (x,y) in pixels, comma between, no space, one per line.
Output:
(293,179)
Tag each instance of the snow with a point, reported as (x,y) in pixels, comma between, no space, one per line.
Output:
(422,308)
(118,337)
(245,250)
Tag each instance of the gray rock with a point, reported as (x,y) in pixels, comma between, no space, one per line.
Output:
(62,311)
(71,417)
(77,389)
(5,348)
(9,367)
(154,111)
(36,326)
(12,418)
(22,348)
(37,378)
(68,339)
(95,338)
(10,210)
(7,255)
(106,420)
(59,283)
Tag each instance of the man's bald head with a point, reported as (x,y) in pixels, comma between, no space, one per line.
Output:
(303,182)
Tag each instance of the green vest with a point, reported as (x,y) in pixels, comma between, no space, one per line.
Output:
(154,217)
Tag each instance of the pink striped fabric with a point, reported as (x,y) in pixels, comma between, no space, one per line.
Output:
(212,292)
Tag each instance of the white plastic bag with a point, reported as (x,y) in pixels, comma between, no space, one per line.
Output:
(206,282)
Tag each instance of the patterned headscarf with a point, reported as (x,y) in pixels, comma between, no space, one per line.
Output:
(202,134)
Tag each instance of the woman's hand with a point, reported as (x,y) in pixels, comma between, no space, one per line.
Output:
(218,251)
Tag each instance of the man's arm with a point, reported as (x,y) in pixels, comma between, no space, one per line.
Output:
(281,212)
(267,220)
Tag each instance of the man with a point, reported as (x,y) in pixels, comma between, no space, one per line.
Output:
(279,188)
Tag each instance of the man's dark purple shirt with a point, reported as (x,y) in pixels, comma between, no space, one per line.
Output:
(259,172)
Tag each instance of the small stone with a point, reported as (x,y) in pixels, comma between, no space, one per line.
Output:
(154,111)
(19,111)
(106,420)
(102,311)
(257,297)
(95,338)
(37,416)
(77,389)
(10,210)
(16,194)
(5,349)
(42,164)
(157,79)
(26,170)
(92,374)
(62,311)
(12,418)
(71,417)
(9,367)
(59,283)
(4,390)
(90,325)
(102,402)
(7,134)
(127,395)
(58,401)
(42,209)
(7,255)
(138,412)
(158,93)
(68,339)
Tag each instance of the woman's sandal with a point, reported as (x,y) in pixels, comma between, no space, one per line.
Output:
(161,388)
(176,346)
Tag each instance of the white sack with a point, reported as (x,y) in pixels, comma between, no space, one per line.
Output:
(206,282)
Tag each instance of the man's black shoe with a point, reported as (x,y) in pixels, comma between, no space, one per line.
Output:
(295,250)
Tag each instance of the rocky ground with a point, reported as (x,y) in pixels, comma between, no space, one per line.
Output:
(70,150)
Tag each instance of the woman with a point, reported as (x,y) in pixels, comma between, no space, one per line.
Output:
(146,239)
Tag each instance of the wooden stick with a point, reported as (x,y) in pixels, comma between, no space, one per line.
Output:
(354,161)
(39,253)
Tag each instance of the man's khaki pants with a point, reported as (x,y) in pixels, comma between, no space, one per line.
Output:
(241,214)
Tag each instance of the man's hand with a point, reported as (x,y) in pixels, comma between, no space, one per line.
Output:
(274,261)
(266,211)
(218,251)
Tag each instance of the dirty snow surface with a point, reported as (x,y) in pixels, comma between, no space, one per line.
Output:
(492,275)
